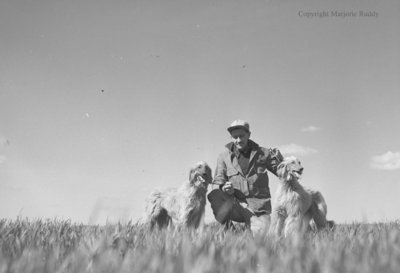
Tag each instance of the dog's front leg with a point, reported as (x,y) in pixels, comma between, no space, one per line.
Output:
(293,224)
(277,221)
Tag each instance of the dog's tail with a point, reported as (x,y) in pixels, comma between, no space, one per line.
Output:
(319,200)
(156,214)
(319,211)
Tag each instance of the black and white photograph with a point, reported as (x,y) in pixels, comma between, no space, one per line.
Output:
(199,136)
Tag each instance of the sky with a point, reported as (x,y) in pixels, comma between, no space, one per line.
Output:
(103,101)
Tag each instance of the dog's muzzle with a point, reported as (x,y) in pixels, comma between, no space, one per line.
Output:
(298,173)
(201,182)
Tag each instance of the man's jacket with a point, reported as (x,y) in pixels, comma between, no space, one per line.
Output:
(255,185)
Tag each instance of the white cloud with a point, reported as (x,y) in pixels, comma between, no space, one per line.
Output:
(386,161)
(294,149)
(2,158)
(310,129)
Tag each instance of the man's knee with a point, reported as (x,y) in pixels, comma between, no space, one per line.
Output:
(221,204)
(226,207)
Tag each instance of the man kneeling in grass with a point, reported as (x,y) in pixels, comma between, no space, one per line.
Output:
(241,185)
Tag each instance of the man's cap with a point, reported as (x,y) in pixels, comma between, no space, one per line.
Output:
(239,124)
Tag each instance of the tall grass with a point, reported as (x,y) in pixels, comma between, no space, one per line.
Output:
(62,246)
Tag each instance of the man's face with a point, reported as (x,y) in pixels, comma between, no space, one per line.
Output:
(240,138)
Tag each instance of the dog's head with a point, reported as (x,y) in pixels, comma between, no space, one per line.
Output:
(200,175)
(290,169)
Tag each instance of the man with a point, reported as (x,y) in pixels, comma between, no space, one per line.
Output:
(242,193)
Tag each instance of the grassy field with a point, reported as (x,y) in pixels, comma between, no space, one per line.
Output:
(61,246)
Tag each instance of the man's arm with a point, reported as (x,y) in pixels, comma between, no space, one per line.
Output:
(274,159)
(220,176)
(221,179)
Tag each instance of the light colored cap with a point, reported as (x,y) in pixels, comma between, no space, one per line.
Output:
(239,124)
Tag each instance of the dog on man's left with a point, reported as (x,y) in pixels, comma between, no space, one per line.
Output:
(183,206)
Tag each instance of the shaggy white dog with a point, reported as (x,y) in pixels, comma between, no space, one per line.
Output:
(183,206)
(296,208)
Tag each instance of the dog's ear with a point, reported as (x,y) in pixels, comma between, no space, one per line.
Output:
(192,174)
(281,170)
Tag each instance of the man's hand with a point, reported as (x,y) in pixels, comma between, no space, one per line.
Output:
(228,188)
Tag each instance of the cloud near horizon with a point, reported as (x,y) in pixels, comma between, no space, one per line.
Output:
(310,129)
(295,149)
(386,161)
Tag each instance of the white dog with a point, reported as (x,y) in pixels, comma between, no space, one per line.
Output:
(296,208)
(183,206)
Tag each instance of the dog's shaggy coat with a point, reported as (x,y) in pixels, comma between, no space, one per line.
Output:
(296,208)
(183,206)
